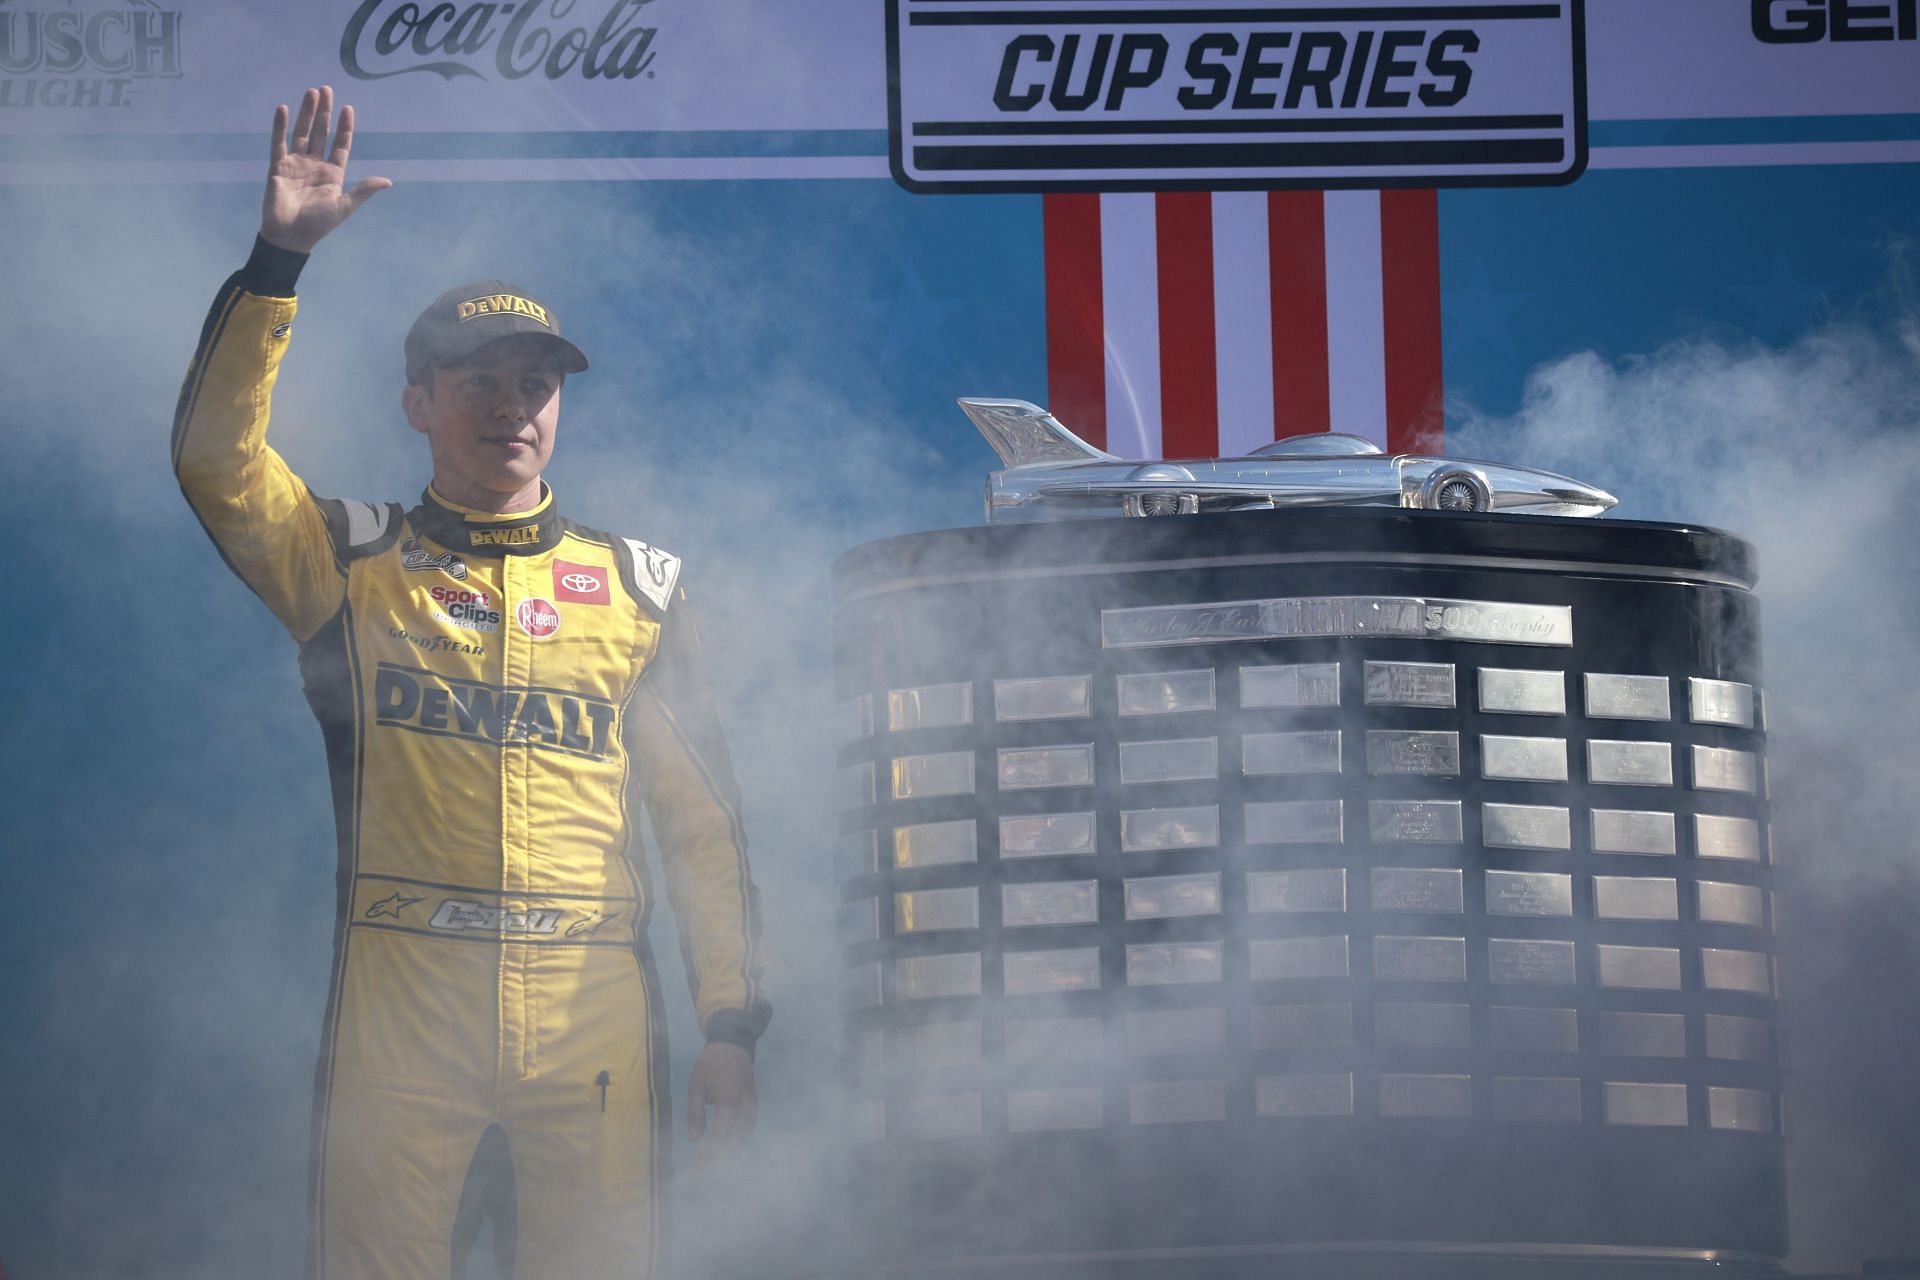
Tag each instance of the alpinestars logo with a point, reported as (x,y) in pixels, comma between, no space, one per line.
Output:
(554,38)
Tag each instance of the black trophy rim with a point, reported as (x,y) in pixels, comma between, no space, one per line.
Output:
(1634,548)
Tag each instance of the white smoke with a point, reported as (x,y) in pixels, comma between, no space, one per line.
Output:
(1812,452)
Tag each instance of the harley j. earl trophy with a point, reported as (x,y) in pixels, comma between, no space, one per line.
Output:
(1360,869)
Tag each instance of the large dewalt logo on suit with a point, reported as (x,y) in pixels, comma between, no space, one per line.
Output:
(422,701)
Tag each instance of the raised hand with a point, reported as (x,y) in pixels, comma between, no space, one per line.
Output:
(306,193)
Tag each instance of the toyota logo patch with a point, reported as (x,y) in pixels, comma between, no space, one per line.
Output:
(581,583)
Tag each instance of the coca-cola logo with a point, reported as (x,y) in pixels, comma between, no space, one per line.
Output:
(591,39)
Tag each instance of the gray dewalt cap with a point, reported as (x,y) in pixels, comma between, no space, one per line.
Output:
(467,317)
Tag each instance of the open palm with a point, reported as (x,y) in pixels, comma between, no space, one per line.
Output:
(307,194)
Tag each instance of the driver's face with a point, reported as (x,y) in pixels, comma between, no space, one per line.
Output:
(489,421)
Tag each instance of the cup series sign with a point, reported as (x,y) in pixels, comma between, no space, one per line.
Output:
(1094,95)
(555,39)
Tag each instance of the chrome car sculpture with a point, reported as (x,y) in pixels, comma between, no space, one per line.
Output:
(1053,474)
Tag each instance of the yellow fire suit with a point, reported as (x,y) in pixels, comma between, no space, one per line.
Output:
(492,691)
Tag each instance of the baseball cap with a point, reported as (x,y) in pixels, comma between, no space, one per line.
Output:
(467,317)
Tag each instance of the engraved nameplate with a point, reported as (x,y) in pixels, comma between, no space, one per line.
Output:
(1040,1110)
(853,719)
(1046,835)
(1155,1032)
(937,1044)
(1149,829)
(1529,893)
(1167,897)
(1159,964)
(1408,684)
(1027,973)
(1536,1099)
(1337,616)
(1158,693)
(859,854)
(1313,751)
(1434,890)
(1642,1035)
(865,1121)
(1611,697)
(859,922)
(1735,1039)
(1421,1026)
(1400,959)
(1523,693)
(1715,836)
(1731,904)
(1636,898)
(1628,1102)
(1639,968)
(1024,768)
(1327,1093)
(860,987)
(1629,764)
(934,706)
(935,844)
(1327,1025)
(1176,1101)
(955,1115)
(1414,821)
(948,773)
(1744,1110)
(1413,751)
(1523,759)
(1725,970)
(1297,959)
(1528,1029)
(1294,822)
(1530,961)
(1042,698)
(1304,684)
(1291,892)
(931,910)
(1049,902)
(1525,826)
(1632,831)
(1409,1096)
(866,1056)
(853,786)
(932,977)
(1173,760)
(1055,1039)
(1718,769)
(1726,702)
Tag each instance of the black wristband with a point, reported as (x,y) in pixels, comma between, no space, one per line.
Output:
(732,1026)
(271,272)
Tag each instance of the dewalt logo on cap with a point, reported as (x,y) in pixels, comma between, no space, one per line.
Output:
(502,304)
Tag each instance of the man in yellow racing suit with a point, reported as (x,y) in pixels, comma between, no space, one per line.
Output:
(494,684)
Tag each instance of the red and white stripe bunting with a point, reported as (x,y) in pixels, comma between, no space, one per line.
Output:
(1197,324)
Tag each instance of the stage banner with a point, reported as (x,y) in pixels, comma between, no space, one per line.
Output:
(664,89)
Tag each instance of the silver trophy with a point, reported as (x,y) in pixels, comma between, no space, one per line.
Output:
(1053,474)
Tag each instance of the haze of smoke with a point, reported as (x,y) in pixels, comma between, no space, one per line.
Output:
(760,451)
(170,1063)
(1813,453)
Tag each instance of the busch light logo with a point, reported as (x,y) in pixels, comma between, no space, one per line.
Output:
(85,55)
(591,39)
